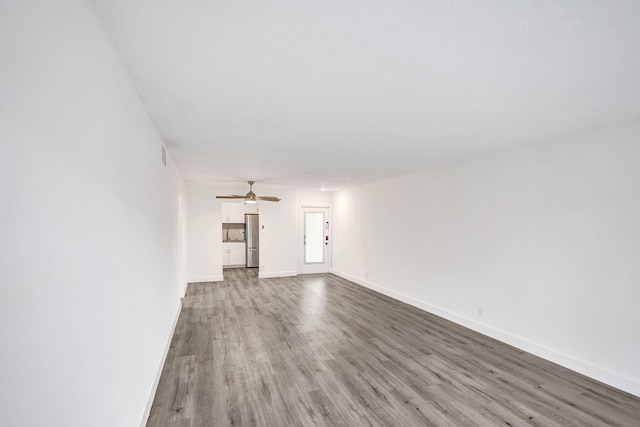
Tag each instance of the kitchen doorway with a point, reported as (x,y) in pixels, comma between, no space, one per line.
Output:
(314,237)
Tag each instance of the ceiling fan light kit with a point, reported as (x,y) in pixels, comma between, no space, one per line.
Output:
(250,197)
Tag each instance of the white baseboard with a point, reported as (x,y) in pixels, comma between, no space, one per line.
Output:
(154,387)
(596,372)
(271,274)
(202,279)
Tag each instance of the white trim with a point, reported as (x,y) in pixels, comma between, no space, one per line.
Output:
(622,382)
(205,279)
(277,274)
(154,387)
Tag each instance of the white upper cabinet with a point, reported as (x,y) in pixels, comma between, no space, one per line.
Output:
(233,212)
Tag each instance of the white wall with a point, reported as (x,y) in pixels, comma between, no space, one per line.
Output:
(544,239)
(204,233)
(89,262)
(311,198)
(278,233)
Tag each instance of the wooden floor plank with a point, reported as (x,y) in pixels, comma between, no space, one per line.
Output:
(317,350)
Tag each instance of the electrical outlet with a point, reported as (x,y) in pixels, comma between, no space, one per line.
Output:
(480,311)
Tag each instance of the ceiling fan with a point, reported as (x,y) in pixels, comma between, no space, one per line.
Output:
(250,197)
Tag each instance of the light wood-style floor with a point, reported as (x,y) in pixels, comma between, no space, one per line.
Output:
(318,350)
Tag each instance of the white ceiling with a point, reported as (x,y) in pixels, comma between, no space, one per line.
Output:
(334,93)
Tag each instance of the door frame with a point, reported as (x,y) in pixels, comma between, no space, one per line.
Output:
(312,268)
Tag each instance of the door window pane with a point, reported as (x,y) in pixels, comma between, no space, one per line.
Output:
(314,235)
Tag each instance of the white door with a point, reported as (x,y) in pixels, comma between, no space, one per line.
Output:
(315,245)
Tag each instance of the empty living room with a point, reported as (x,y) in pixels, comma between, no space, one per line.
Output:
(338,213)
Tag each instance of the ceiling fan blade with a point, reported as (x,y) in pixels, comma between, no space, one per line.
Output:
(250,197)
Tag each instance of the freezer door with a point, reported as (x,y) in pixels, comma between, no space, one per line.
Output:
(253,257)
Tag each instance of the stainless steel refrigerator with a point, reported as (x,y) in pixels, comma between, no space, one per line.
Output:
(251,232)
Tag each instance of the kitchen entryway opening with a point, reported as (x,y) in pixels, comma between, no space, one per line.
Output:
(240,236)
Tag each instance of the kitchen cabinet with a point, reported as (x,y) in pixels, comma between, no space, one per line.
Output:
(251,208)
(233,212)
(233,254)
